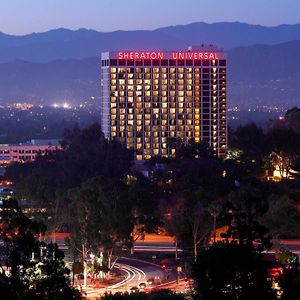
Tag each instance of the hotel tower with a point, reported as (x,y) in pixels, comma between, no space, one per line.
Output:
(152,99)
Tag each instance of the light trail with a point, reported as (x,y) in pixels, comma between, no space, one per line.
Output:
(132,273)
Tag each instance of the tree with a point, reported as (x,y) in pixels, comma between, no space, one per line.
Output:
(45,182)
(282,217)
(51,282)
(289,282)
(101,220)
(144,211)
(193,150)
(285,145)
(246,206)
(190,219)
(34,269)
(238,269)
(79,242)
(251,141)
(231,271)
(193,179)
(192,174)
(215,208)
(292,119)
(295,169)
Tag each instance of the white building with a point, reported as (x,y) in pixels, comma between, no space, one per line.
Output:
(26,151)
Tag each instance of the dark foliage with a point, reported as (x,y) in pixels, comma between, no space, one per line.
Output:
(231,271)
(157,295)
(86,154)
(36,270)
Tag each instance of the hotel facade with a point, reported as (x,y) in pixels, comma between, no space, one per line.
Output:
(152,99)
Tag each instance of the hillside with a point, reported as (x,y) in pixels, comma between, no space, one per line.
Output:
(68,44)
(257,74)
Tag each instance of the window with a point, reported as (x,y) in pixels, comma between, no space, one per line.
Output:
(164,62)
(113,62)
(122,62)
(172,62)
(222,62)
(138,62)
(155,62)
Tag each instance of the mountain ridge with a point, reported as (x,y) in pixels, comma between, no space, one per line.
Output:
(80,43)
(257,75)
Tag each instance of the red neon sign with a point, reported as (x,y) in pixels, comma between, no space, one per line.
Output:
(174,55)
(141,55)
(195,55)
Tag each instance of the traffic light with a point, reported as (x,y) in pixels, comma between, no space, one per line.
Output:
(163,266)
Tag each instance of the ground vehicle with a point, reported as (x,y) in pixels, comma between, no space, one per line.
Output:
(134,289)
(150,281)
(142,285)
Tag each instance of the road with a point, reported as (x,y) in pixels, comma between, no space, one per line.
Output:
(151,243)
(135,272)
(180,285)
(292,245)
(155,243)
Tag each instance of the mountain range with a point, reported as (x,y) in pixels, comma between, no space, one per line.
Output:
(64,65)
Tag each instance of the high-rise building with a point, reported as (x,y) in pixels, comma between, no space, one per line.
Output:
(151,99)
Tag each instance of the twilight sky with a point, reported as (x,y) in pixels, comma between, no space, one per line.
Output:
(26,16)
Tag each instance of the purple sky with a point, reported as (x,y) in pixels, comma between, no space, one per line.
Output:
(26,16)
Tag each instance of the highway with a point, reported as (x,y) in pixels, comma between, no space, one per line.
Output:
(134,271)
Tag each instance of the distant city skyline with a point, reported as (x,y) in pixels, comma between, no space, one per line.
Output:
(19,17)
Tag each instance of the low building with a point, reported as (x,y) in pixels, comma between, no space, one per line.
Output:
(28,151)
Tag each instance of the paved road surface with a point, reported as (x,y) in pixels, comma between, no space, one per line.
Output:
(135,272)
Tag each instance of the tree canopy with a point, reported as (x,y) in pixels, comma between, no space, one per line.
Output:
(30,268)
(231,271)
